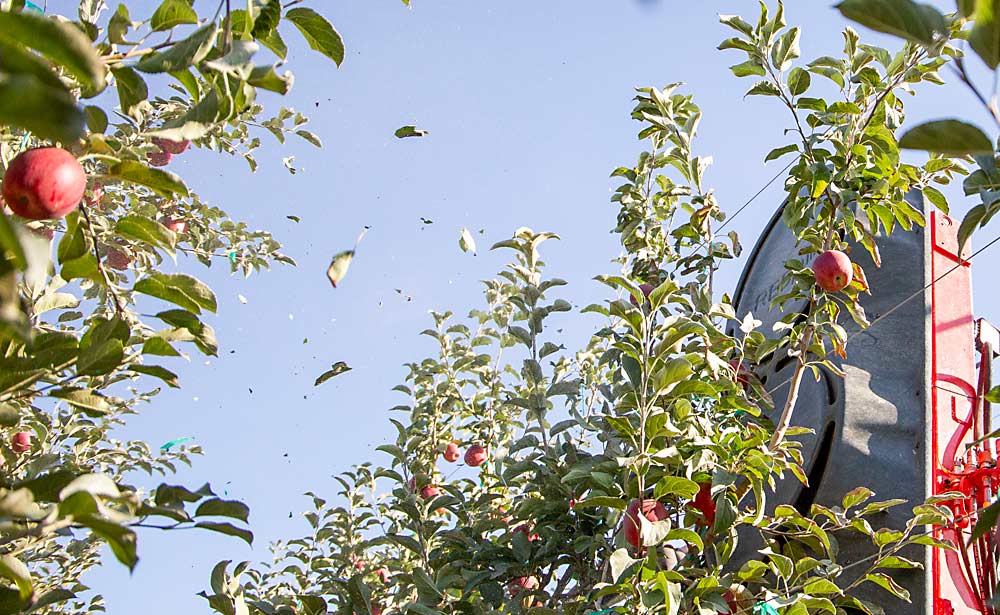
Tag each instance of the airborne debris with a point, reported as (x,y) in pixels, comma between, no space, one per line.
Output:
(466,242)
(336,369)
(409,131)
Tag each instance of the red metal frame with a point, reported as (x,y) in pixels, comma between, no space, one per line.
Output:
(960,416)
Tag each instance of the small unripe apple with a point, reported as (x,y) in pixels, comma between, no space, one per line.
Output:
(651,509)
(171,147)
(44,183)
(116,259)
(516,586)
(429,491)
(475,455)
(451,453)
(21,442)
(833,271)
(646,289)
(175,225)
(525,529)
(159,159)
(704,503)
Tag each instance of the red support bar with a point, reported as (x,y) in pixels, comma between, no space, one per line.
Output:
(956,576)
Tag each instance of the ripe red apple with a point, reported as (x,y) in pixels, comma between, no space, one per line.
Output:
(116,259)
(429,491)
(21,442)
(175,225)
(833,271)
(524,528)
(475,455)
(171,147)
(516,586)
(159,159)
(646,289)
(651,509)
(44,183)
(451,453)
(704,503)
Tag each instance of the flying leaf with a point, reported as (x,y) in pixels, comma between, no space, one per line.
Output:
(409,131)
(466,242)
(336,369)
(338,266)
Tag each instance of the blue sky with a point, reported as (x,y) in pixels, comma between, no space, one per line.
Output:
(527,105)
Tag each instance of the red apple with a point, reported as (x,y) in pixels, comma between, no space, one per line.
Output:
(429,491)
(475,456)
(175,225)
(116,259)
(524,528)
(159,159)
(44,183)
(704,503)
(516,586)
(171,147)
(833,271)
(651,509)
(646,289)
(451,453)
(21,442)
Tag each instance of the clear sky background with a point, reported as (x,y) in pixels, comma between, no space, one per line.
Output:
(527,105)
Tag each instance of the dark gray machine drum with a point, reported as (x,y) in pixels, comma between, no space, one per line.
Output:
(870,426)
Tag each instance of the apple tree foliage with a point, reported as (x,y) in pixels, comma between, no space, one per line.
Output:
(657,405)
(90,305)
(977,24)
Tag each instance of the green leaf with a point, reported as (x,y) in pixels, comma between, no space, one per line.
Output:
(265,77)
(987,521)
(100,358)
(132,90)
(336,369)
(202,334)
(141,228)
(97,119)
(98,485)
(182,54)
(973,218)
(936,197)
(748,68)
(15,570)
(409,131)
(121,539)
(887,583)
(763,88)
(164,183)
(318,32)
(950,137)
(621,562)
(179,289)
(786,50)
(228,529)
(172,13)
(217,507)
(268,17)
(156,371)
(61,42)
(798,81)
(88,400)
(780,151)
(601,501)
(903,18)
(985,35)
(46,111)
(160,347)
(16,59)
